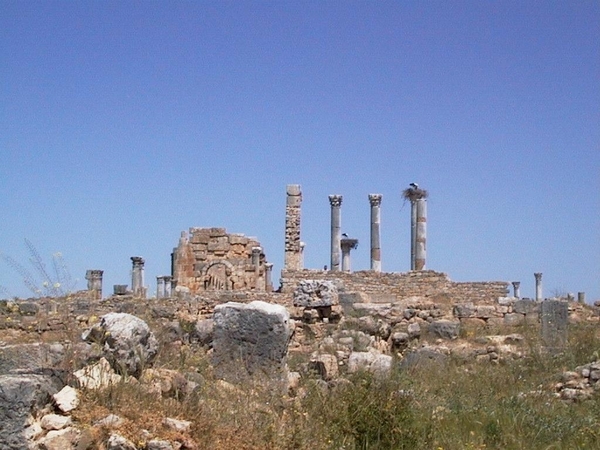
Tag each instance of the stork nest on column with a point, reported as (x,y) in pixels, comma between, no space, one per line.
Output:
(413,194)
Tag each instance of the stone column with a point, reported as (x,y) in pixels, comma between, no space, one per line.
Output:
(268,283)
(421,234)
(94,279)
(375,201)
(168,286)
(336,231)
(137,277)
(517,289)
(413,234)
(581,297)
(346,245)
(256,263)
(160,287)
(292,227)
(538,286)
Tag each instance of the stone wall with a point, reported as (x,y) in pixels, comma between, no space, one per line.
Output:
(210,259)
(380,287)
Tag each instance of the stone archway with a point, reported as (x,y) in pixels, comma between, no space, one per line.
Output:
(217,276)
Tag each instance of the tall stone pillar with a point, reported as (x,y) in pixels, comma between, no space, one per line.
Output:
(168,286)
(256,263)
(336,231)
(538,286)
(94,279)
(421,234)
(160,287)
(413,234)
(581,297)
(137,277)
(292,259)
(268,271)
(375,201)
(517,289)
(347,245)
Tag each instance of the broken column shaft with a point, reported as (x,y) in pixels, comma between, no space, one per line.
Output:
(94,279)
(375,201)
(516,288)
(336,231)
(347,245)
(293,253)
(160,287)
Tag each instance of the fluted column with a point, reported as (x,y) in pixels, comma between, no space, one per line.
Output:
(375,201)
(336,231)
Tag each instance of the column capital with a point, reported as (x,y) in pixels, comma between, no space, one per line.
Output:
(538,276)
(516,284)
(256,250)
(335,200)
(375,199)
(137,260)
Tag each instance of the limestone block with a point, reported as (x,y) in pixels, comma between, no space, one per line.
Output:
(445,329)
(217,232)
(59,439)
(414,330)
(20,396)
(55,422)
(526,307)
(250,338)
(506,301)
(485,311)
(464,310)
(67,399)
(423,357)
(473,322)
(315,294)
(97,376)
(378,364)
(30,358)
(118,442)
(126,340)
(513,319)
(400,340)
(555,317)
(238,239)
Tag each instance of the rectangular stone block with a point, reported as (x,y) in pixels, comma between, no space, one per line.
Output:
(238,239)
(555,319)
(250,339)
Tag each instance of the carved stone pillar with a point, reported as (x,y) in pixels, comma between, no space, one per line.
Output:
(517,289)
(347,245)
(375,201)
(538,286)
(292,227)
(137,277)
(336,234)
(94,279)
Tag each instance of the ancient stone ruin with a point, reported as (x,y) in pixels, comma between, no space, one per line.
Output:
(210,259)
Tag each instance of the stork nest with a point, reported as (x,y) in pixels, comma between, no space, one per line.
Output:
(413,194)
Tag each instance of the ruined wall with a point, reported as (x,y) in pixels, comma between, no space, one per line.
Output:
(393,287)
(210,259)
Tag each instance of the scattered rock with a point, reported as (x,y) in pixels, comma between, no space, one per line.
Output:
(66,399)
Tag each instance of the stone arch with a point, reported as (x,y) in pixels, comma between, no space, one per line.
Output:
(216,276)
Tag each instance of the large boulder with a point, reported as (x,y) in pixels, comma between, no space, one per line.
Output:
(126,340)
(20,396)
(315,294)
(30,358)
(250,339)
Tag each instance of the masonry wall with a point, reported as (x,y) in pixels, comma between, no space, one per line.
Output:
(381,287)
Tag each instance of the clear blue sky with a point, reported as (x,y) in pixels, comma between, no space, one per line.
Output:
(124,123)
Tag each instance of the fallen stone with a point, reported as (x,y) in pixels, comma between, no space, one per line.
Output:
(59,439)
(126,340)
(118,442)
(377,364)
(445,329)
(249,339)
(177,425)
(110,421)
(66,399)
(97,376)
(55,422)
